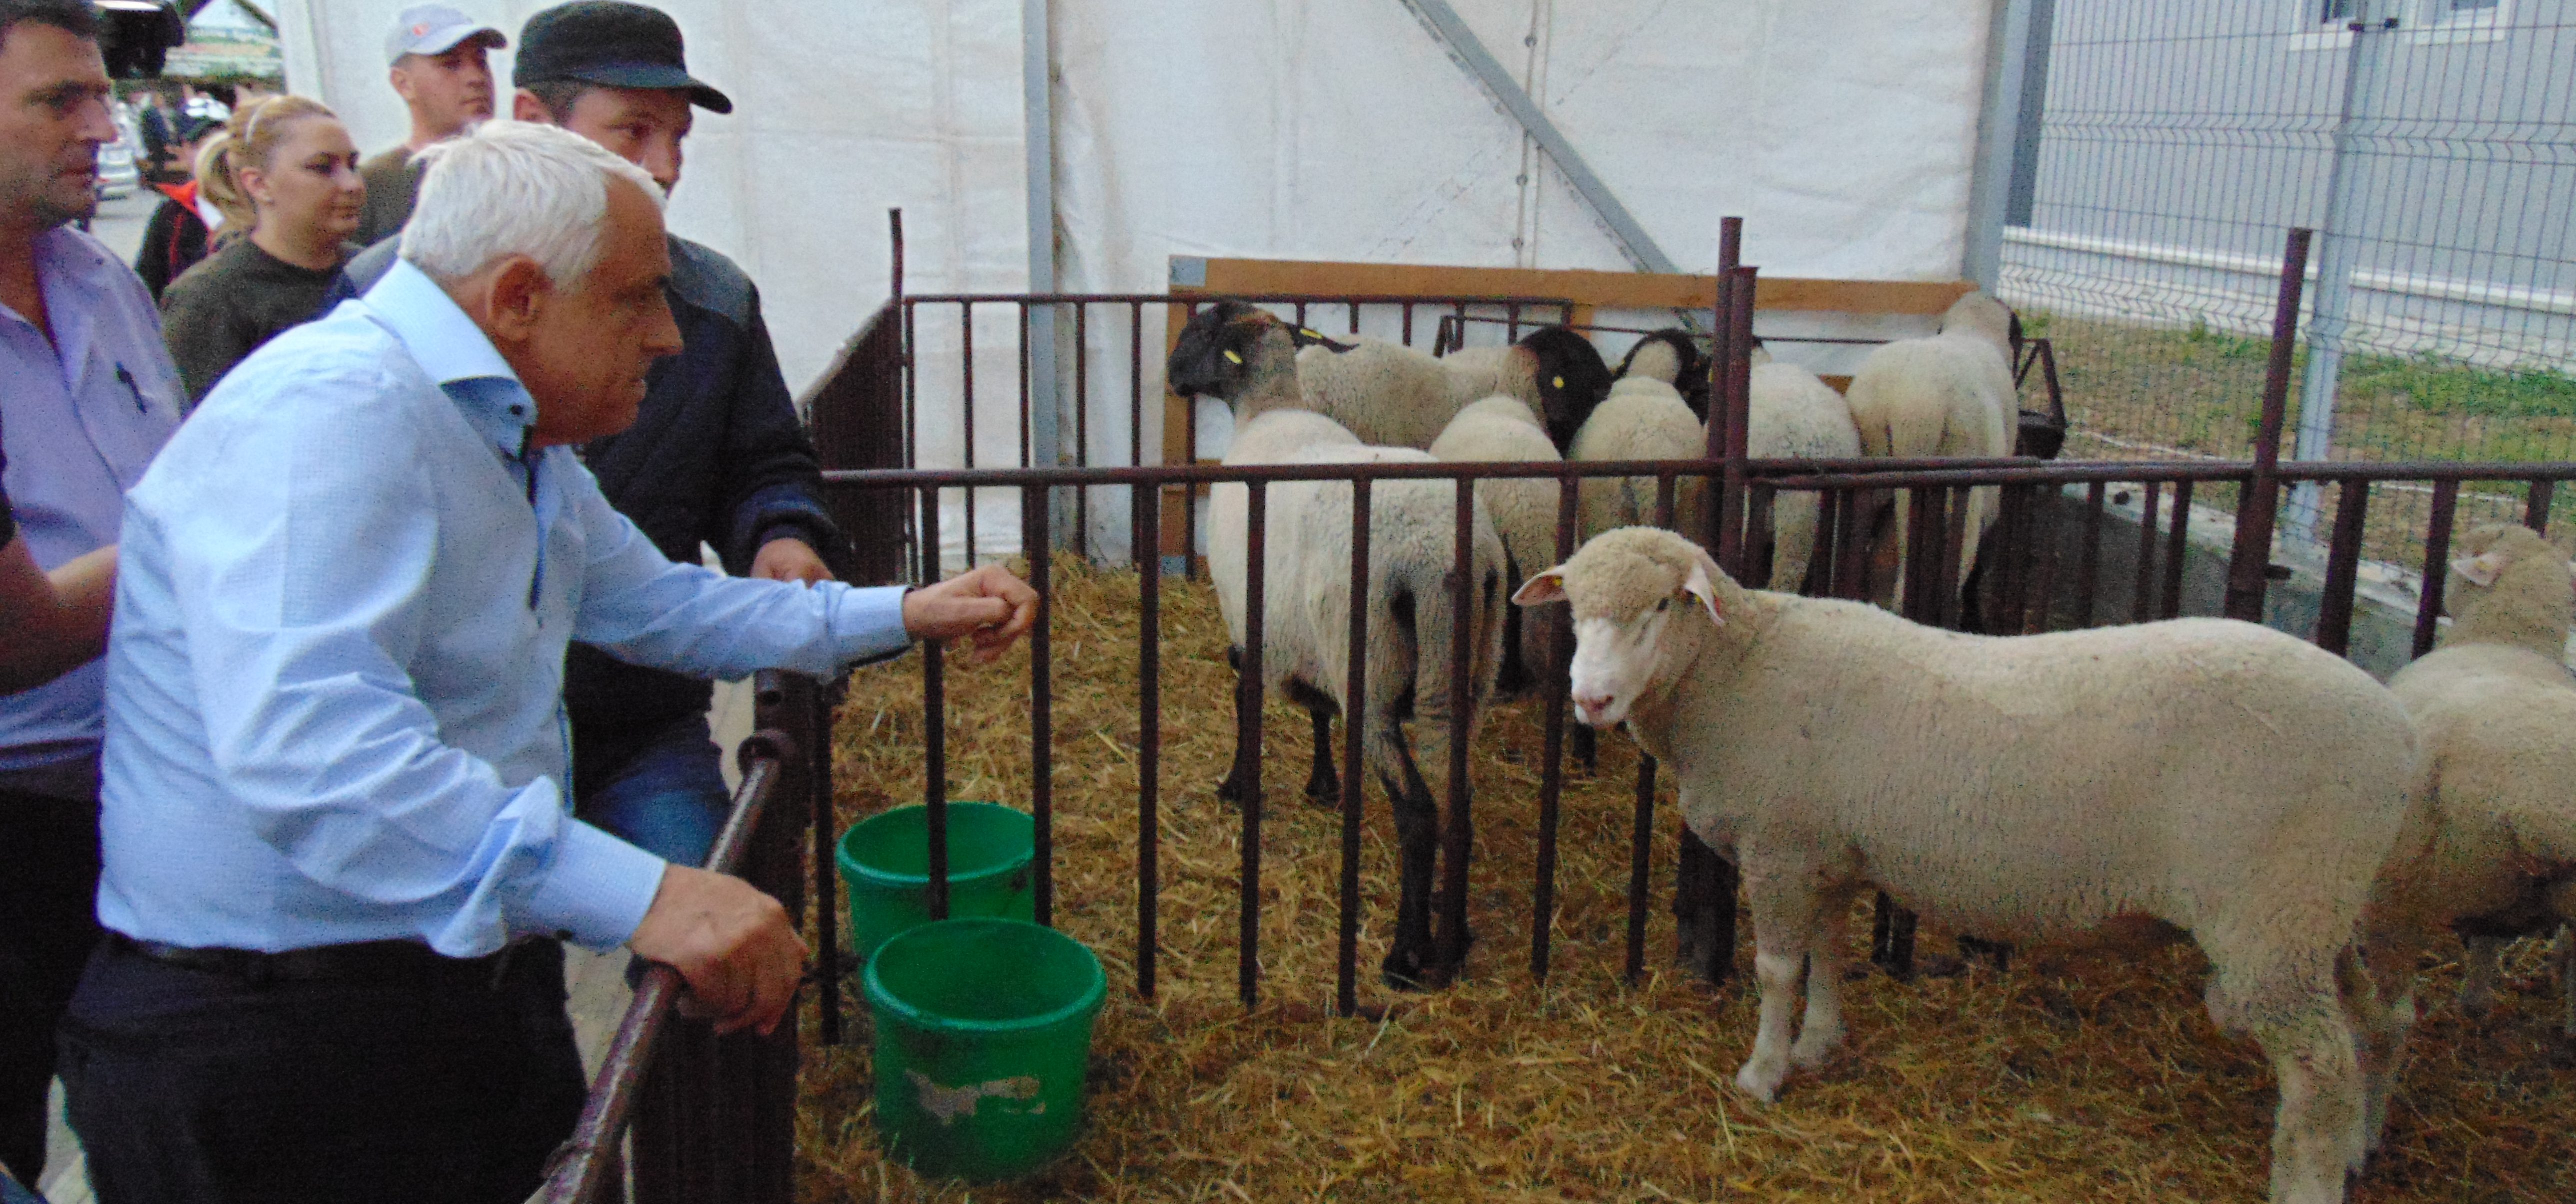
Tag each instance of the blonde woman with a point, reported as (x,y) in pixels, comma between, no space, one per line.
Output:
(285,177)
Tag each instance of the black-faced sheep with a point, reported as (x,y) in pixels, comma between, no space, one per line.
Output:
(1950,395)
(1672,356)
(2493,848)
(1393,396)
(1306,603)
(2200,777)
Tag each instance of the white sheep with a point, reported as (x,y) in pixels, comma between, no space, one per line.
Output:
(1412,618)
(2200,777)
(1950,395)
(1672,356)
(1393,396)
(2493,849)
(1795,416)
(1502,430)
(1642,419)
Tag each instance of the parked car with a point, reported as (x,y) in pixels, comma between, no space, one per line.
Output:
(118,170)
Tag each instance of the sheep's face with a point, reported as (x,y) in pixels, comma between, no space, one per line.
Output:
(2512,560)
(1224,348)
(1642,599)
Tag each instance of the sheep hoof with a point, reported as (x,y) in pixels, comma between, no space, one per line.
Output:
(1324,795)
(1761,1085)
(1811,1054)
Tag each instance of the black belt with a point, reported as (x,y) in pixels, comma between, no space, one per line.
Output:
(366,961)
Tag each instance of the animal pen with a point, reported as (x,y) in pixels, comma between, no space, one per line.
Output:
(1245,1056)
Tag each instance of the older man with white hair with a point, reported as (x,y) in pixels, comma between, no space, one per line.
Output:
(338,848)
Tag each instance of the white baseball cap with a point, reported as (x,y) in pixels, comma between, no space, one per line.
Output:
(436,29)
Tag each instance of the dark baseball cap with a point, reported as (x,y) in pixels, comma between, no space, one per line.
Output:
(612,44)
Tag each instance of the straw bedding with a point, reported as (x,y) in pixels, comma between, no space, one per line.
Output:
(2064,1078)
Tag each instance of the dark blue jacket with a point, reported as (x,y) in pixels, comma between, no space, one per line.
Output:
(717,455)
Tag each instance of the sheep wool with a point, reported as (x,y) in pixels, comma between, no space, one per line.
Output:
(1306,607)
(1502,430)
(1792,415)
(1950,395)
(2494,851)
(1642,419)
(2201,777)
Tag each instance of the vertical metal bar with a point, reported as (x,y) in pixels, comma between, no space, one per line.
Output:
(2437,564)
(1301,315)
(2040,609)
(1512,315)
(2011,584)
(1641,846)
(1082,425)
(1355,721)
(2345,203)
(2343,569)
(2259,507)
(2535,511)
(1460,830)
(1551,789)
(2088,574)
(1738,393)
(1730,246)
(1248,736)
(826,885)
(1037,523)
(1851,544)
(1147,523)
(1027,450)
(1354,303)
(934,727)
(966,342)
(2177,549)
(1408,323)
(2145,586)
(1948,571)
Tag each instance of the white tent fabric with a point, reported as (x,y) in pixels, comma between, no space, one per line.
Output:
(1843,131)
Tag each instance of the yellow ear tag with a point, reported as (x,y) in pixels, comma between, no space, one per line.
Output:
(1232,358)
(1308,333)
(1560,382)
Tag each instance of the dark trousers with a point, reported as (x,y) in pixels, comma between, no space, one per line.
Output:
(189,1086)
(48,922)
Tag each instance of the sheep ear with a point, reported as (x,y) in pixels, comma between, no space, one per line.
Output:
(2481,571)
(1703,584)
(1542,589)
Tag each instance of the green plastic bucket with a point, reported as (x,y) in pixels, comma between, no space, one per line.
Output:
(886,862)
(983,1031)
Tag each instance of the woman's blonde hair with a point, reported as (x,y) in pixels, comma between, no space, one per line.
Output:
(248,140)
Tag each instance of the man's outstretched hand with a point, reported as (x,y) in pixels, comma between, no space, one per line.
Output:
(989,605)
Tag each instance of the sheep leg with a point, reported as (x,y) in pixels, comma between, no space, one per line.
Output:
(1584,746)
(1822,1032)
(1784,900)
(2313,1133)
(2379,998)
(1323,785)
(2481,965)
(1409,962)
(1237,786)
(1793,524)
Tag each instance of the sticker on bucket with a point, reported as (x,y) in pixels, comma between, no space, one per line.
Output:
(950,1103)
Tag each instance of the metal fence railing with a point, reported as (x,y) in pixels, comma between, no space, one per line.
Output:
(2433,145)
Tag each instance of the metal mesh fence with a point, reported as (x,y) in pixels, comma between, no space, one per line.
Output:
(2431,142)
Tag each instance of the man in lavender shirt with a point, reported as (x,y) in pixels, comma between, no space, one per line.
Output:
(87,396)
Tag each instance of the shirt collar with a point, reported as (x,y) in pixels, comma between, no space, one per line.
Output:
(69,271)
(455,353)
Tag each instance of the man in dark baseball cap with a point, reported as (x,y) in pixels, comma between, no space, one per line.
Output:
(716,453)
(613,45)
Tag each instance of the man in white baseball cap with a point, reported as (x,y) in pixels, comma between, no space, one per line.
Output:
(440,67)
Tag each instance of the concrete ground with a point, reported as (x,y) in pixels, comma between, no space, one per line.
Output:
(597,983)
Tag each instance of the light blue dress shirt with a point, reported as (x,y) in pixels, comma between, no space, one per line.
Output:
(335,687)
(82,415)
